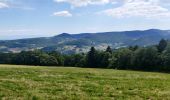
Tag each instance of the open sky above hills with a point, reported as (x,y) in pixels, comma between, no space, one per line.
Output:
(36,18)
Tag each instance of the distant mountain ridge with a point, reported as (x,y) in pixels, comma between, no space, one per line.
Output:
(76,43)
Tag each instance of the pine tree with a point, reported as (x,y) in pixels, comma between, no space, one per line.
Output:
(162,45)
(91,58)
(109,49)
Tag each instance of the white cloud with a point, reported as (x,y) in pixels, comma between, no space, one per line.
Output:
(3,5)
(15,4)
(80,3)
(139,8)
(62,13)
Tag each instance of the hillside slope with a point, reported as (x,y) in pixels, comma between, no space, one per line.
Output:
(42,83)
(76,43)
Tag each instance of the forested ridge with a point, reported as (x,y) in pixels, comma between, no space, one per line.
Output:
(66,43)
(150,58)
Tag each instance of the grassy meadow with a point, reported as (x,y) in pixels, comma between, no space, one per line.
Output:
(60,83)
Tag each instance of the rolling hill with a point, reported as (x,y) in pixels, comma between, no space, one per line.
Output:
(76,43)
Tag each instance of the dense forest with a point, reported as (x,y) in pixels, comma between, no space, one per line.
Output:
(150,58)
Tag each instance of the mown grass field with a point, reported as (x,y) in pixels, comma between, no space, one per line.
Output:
(44,83)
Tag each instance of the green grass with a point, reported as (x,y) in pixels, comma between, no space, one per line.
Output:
(42,83)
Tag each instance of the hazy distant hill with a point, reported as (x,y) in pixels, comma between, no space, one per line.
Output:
(75,43)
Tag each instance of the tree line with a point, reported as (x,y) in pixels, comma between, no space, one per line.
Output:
(150,58)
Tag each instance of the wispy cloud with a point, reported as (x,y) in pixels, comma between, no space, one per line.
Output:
(139,8)
(80,3)
(12,4)
(62,13)
(3,5)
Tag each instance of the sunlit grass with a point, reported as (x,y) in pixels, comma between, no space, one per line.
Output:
(59,83)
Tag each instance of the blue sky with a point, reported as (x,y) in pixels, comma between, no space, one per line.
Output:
(39,18)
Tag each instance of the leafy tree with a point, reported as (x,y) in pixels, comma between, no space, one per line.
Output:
(123,57)
(112,62)
(47,60)
(58,56)
(166,59)
(102,59)
(146,59)
(77,60)
(6,58)
(35,58)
